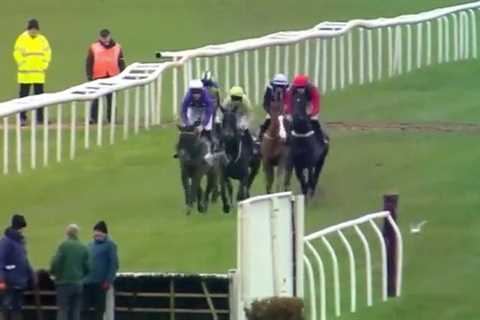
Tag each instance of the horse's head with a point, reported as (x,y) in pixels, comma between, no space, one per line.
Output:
(188,142)
(276,107)
(229,123)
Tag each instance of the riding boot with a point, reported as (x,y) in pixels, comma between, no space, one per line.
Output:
(263,128)
(318,130)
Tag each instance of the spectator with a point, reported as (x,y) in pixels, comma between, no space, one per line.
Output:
(15,269)
(69,266)
(32,54)
(104,60)
(103,252)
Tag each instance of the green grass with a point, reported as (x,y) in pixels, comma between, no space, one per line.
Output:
(135,185)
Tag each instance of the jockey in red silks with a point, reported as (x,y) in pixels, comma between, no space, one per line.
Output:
(303,98)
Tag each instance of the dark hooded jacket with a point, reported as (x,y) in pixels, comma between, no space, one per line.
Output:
(15,269)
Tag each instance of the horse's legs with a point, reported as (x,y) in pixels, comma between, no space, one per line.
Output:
(279,175)
(197,192)
(214,174)
(201,205)
(318,169)
(186,190)
(269,175)
(254,166)
(242,193)
(226,191)
(211,186)
(287,175)
(301,178)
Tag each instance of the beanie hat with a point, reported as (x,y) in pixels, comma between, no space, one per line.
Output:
(18,222)
(104,33)
(33,24)
(101,226)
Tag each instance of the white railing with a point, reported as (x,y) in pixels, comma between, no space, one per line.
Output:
(335,54)
(323,239)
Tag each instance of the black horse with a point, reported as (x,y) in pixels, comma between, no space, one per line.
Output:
(192,150)
(308,151)
(240,161)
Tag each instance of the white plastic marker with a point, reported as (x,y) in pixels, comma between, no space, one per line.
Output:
(417,226)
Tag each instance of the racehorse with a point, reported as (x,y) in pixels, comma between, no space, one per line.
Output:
(274,149)
(307,153)
(239,161)
(192,150)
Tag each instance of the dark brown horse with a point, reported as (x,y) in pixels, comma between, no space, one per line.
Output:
(274,147)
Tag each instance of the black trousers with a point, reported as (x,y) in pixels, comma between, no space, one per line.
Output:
(94,296)
(94,110)
(25,91)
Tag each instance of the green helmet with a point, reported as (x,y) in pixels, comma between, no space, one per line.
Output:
(237,91)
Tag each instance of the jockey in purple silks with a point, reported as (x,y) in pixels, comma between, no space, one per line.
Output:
(198,108)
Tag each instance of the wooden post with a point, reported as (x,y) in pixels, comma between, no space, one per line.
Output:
(390,203)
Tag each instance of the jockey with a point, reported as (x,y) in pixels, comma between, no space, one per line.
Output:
(279,82)
(239,102)
(198,107)
(212,86)
(303,97)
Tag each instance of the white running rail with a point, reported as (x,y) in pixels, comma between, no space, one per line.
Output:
(315,263)
(335,54)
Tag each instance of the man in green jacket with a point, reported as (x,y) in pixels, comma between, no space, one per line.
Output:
(69,266)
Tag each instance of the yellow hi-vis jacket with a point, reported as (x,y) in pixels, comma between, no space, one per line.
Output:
(32,56)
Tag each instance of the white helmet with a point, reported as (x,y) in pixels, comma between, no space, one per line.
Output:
(280,80)
(195,84)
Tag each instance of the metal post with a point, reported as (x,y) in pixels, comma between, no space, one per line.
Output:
(380,53)
(361,58)
(390,52)
(342,61)
(350,58)
(297,58)
(237,68)
(286,60)
(455,37)
(227,72)
(45,137)
(136,116)
(59,133)
(19,144)
(429,43)
(113,116)
(146,95)
(317,62)
(419,45)
(73,129)
(370,55)
(334,64)
(175,93)
(100,122)
(390,203)
(473,17)
(87,124)
(256,75)
(126,112)
(324,65)
(33,138)
(307,56)
(246,73)
(5,145)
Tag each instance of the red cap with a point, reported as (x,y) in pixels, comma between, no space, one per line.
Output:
(300,80)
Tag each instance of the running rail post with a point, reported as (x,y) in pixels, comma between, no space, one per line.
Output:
(390,203)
